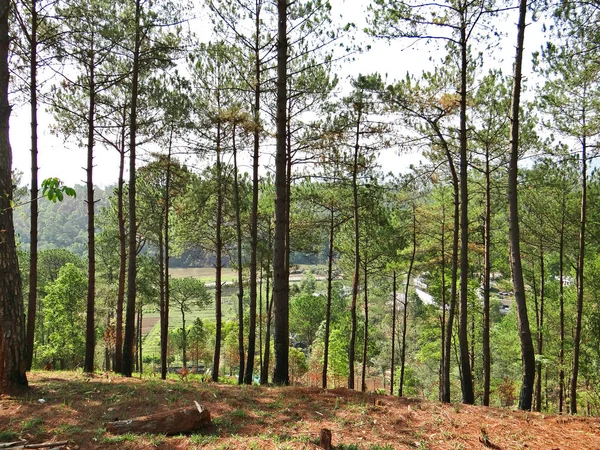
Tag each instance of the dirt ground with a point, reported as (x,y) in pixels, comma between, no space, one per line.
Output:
(68,406)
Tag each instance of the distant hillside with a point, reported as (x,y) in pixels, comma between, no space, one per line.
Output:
(61,225)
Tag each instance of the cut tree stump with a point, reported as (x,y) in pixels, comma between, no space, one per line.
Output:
(180,421)
(325,441)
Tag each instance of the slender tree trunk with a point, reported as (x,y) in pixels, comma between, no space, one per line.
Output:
(454,278)
(363,378)
(405,312)
(264,375)
(260,319)
(132,253)
(33,235)
(240,271)
(140,340)
(561,297)
(444,302)
(394,308)
(356,275)
(580,274)
(219,263)
(12,326)
(280,275)
(487,270)
(527,351)
(164,325)
(255,194)
(540,333)
(183,337)
(329,293)
(164,265)
(118,366)
(467,378)
(90,329)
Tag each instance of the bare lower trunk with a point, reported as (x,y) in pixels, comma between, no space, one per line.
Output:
(363,380)
(356,275)
(131,267)
(280,275)
(329,293)
(33,235)
(580,276)
(240,271)
(527,351)
(394,308)
(487,269)
(12,326)
(468,395)
(118,366)
(405,312)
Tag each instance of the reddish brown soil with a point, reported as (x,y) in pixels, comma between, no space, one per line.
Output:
(69,406)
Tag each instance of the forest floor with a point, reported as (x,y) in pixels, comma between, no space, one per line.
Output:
(68,406)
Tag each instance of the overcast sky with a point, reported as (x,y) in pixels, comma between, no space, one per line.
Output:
(66,161)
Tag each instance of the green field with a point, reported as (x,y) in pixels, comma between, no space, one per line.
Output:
(206,274)
(152,339)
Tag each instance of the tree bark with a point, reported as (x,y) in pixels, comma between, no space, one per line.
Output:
(487,270)
(527,351)
(468,395)
(405,312)
(356,275)
(218,263)
(540,333)
(363,378)
(394,306)
(132,253)
(280,275)
(580,273)
(561,298)
(12,328)
(118,366)
(240,271)
(90,331)
(329,293)
(33,235)
(255,194)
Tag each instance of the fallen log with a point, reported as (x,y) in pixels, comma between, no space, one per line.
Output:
(180,421)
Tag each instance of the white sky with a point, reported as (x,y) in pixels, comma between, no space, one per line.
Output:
(65,161)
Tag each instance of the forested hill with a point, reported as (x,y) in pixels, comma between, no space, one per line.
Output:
(62,224)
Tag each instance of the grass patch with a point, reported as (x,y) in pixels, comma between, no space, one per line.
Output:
(8,435)
(117,439)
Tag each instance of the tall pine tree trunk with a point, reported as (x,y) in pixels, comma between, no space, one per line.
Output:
(33,235)
(280,275)
(218,263)
(132,252)
(12,327)
(580,273)
(468,395)
(240,269)
(394,308)
(254,211)
(90,331)
(356,275)
(118,365)
(363,378)
(329,292)
(527,351)
(405,312)
(561,299)
(487,270)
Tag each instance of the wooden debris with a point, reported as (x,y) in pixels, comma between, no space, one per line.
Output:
(180,421)
(24,445)
(12,444)
(325,441)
